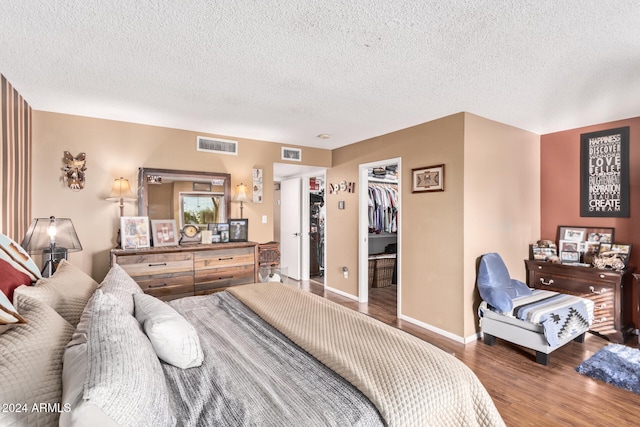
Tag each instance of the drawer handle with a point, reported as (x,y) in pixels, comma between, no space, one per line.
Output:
(604,319)
(546,283)
(225,259)
(602,276)
(225,277)
(158,286)
(603,305)
(539,267)
(160,264)
(593,290)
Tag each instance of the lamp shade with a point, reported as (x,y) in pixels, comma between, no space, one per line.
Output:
(241,193)
(121,190)
(46,232)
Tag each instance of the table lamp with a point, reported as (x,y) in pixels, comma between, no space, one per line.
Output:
(240,196)
(52,237)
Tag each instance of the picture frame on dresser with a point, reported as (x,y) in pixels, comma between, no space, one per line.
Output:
(135,232)
(585,234)
(238,230)
(165,232)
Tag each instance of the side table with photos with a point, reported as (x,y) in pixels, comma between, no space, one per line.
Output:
(587,262)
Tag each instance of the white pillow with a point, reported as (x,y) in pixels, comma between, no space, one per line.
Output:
(173,338)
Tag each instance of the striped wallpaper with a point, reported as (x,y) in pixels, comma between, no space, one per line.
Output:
(15,162)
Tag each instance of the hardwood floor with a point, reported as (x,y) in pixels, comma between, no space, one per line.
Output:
(525,393)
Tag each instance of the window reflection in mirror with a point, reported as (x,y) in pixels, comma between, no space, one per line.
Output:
(201,209)
(189,197)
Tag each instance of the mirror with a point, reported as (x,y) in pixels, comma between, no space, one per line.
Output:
(189,197)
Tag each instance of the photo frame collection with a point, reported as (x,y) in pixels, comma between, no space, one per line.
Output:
(136,232)
(582,245)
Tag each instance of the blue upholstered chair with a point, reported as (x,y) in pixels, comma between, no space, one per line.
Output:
(498,320)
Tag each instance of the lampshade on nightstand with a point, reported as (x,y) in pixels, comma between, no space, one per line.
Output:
(53,238)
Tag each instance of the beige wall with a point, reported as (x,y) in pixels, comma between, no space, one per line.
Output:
(117,149)
(432,239)
(501,201)
(490,203)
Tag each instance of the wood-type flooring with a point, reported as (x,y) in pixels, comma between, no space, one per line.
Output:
(524,392)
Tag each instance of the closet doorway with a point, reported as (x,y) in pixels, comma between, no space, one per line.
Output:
(379,225)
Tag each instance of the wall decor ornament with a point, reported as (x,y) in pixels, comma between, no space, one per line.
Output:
(604,173)
(74,168)
(428,178)
(349,187)
(257,185)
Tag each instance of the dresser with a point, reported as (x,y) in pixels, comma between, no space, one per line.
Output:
(170,272)
(611,292)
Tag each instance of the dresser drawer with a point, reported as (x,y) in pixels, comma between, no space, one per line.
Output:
(156,264)
(205,260)
(223,277)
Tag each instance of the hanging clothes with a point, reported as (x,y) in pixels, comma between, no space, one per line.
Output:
(383,211)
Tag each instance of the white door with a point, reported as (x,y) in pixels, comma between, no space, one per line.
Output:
(291,226)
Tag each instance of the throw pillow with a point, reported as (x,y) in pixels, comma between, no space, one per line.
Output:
(121,286)
(15,255)
(31,365)
(11,278)
(174,340)
(67,291)
(124,381)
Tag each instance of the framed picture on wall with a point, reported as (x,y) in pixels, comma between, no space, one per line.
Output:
(135,232)
(428,178)
(165,232)
(604,173)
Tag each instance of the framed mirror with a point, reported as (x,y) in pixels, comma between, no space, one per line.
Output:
(188,197)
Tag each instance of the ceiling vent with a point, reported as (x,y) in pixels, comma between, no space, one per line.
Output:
(221,146)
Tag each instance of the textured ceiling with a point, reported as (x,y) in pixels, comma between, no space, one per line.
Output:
(288,70)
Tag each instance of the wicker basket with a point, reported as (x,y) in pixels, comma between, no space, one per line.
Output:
(384,270)
(372,270)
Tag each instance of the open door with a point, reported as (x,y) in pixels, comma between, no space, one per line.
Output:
(291,226)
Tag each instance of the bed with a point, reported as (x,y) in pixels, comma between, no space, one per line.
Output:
(259,354)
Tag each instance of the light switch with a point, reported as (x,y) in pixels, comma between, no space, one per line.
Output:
(264,219)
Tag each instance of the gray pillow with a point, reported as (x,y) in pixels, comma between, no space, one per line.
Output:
(124,376)
(121,286)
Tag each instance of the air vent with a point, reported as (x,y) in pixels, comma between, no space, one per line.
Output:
(291,154)
(221,146)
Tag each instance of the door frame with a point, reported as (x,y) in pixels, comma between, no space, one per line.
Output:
(363,229)
(305,173)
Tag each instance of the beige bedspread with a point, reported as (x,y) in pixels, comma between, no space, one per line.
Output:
(411,382)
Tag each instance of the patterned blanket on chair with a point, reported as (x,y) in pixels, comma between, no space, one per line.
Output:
(560,315)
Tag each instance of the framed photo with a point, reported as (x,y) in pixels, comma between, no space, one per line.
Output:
(429,178)
(585,234)
(165,232)
(238,230)
(223,231)
(604,173)
(623,251)
(135,232)
(569,257)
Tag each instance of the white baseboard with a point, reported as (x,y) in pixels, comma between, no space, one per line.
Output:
(341,293)
(432,328)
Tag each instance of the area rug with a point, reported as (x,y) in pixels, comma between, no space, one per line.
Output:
(615,364)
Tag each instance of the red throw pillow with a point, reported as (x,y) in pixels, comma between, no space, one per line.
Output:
(10,278)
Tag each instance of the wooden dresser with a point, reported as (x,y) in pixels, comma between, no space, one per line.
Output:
(611,292)
(170,272)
